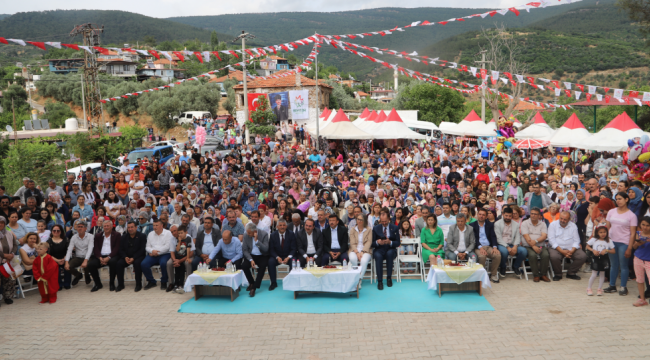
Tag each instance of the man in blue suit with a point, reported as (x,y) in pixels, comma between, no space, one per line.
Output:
(486,243)
(282,246)
(385,241)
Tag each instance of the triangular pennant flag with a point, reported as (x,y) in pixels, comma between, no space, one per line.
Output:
(578,94)
(4,41)
(199,56)
(38,44)
(53,44)
(233,54)
(155,54)
(18,41)
(592,89)
(599,97)
(179,55)
(71,46)
(607,98)
(206,56)
(588,96)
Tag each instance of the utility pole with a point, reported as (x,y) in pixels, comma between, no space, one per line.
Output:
(317,100)
(482,62)
(83,103)
(90,75)
(244,35)
(14,113)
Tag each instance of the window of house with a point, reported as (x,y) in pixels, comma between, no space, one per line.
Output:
(125,67)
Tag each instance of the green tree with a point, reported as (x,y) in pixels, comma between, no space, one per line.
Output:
(231,100)
(214,41)
(57,113)
(150,40)
(435,103)
(39,161)
(19,96)
(263,118)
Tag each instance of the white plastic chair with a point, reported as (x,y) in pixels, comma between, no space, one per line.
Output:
(417,258)
(20,285)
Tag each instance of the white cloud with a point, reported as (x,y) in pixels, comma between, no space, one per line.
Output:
(170,8)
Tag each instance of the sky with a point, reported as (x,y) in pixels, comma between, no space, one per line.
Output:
(171,8)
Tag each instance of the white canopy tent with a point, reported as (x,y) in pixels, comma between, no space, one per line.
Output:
(487,130)
(446,125)
(341,128)
(538,130)
(369,121)
(471,122)
(614,136)
(364,114)
(392,127)
(571,133)
(324,121)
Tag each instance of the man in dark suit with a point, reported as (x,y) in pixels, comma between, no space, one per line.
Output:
(105,253)
(335,242)
(282,244)
(203,248)
(486,243)
(296,224)
(310,243)
(281,112)
(133,246)
(385,241)
(256,253)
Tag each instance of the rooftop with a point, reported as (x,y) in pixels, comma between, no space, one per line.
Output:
(237,75)
(284,81)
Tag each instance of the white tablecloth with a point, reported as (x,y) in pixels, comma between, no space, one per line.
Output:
(437,276)
(231,280)
(338,282)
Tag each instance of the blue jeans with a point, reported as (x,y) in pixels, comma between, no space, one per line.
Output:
(522,253)
(617,261)
(150,261)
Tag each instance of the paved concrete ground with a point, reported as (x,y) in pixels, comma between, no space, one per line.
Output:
(530,321)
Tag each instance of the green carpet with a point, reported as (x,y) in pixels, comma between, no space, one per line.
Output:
(407,296)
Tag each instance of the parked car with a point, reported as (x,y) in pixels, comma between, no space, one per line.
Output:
(189,116)
(211,143)
(224,121)
(159,153)
(178,147)
(76,171)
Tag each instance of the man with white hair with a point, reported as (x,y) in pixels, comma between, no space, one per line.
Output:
(21,191)
(255,248)
(565,243)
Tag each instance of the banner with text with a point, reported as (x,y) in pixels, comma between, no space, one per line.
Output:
(299,104)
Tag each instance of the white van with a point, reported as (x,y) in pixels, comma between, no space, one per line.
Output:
(188,116)
(424,128)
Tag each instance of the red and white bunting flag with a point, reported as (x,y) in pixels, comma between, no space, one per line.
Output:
(38,44)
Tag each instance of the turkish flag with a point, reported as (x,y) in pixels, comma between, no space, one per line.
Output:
(634,93)
(38,44)
(581,87)
(588,97)
(483,73)
(556,83)
(253,103)
(607,98)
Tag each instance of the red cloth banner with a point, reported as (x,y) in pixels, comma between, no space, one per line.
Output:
(253,103)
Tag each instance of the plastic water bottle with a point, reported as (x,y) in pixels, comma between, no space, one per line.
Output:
(200,268)
(311,262)
(345,264)
(441,264)
(293,264)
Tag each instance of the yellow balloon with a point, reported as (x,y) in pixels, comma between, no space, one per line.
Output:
(644,158)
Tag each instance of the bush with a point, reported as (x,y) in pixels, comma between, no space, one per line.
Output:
(57,113)
(34,159)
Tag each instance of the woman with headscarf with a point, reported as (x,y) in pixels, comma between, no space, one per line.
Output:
(568,201)
(8,247)
(580,199)
(636,200)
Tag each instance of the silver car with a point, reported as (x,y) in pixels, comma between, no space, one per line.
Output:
(213,143)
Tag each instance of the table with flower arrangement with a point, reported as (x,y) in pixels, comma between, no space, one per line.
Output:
(220,283)
(458,278)
(319,280)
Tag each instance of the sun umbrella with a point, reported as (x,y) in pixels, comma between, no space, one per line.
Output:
(531,144)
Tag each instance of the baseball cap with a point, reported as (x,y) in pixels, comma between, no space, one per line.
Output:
(499,193)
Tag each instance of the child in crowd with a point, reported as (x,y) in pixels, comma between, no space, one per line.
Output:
(46,272)
(179,257)
(600,246)
(642,259)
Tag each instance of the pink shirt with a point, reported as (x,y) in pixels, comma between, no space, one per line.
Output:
(620,230)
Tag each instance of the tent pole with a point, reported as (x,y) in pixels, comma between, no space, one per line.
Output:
(594,119)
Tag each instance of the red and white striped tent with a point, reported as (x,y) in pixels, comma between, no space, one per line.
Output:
(614,136)
(570,134)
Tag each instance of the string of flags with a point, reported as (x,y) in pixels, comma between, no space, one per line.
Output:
(448,83)
(515,10)
(571,90)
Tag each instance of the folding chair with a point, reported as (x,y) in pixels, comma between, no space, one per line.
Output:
(28,125)
(373,271)
(416,259)
(550,267)
(20,285)
(45,124)
(36,124)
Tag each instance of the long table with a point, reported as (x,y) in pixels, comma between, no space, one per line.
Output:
(464,279)
(216,283)
(322,280)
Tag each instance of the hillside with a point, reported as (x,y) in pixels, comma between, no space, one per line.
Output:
(273,28)
(593,38)
(119,26)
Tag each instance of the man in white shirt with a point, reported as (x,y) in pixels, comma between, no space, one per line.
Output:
(565,243)
(126,170)
(176,218)
(160,244)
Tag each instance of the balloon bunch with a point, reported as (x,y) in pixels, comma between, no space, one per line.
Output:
(200,135)
(505,134)
(637,159)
